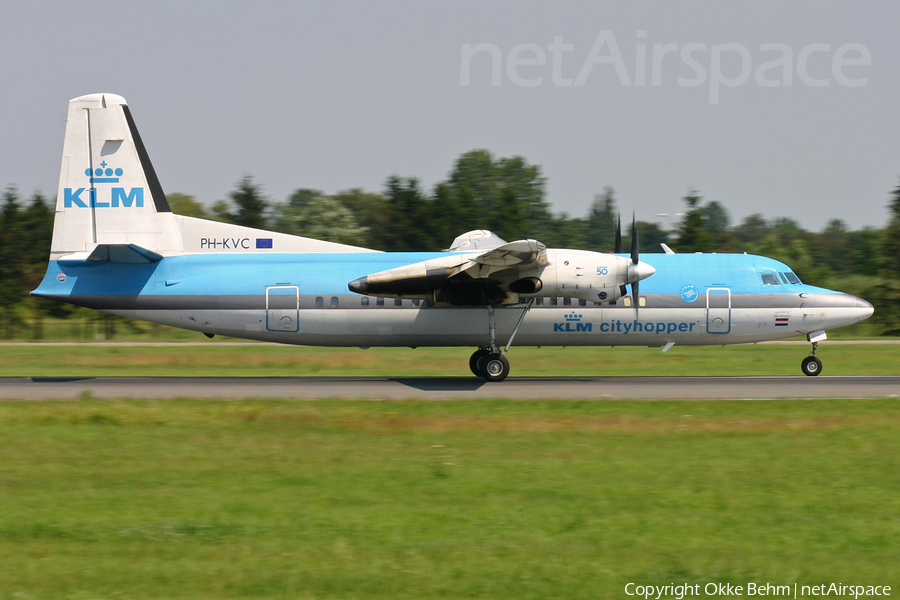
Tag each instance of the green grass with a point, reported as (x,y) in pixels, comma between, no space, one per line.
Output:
(266,360)
(268,499)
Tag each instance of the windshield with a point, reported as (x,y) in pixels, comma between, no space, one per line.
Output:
(769,279)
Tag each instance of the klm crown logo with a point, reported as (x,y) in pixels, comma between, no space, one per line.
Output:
(573,323)
(104,174)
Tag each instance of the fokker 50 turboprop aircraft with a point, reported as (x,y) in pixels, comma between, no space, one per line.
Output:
(117,247)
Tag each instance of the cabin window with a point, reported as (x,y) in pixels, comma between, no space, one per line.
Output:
(567,302)
(364,301)
(428,303)
(334,302)
(642,301)
(379,301)
(320,302)
(769,279)
(582,303)
(792,278)
(538,301)
(554,301)
(398,302)
(415,301)
(626,300)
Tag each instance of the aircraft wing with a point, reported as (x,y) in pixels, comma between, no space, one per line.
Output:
(461,279)
(512,257)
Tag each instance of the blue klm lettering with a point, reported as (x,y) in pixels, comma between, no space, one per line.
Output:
(572,327)
(134,197)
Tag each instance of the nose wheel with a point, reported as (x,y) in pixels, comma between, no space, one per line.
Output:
(811,365)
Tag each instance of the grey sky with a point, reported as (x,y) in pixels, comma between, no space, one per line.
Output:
(343,94)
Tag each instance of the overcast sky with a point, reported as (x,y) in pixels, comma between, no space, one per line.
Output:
(334,95)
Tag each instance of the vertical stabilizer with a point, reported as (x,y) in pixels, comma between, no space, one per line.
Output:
(108,190)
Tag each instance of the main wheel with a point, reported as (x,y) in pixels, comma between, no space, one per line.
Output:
(811,366)
(494,367)
(473,362)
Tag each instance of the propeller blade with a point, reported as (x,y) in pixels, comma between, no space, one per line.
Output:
(618,248)
(634,241)
(634,261)
(635,296)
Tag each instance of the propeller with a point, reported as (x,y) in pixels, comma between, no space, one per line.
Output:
(618,249)
(634,261)
(636,270)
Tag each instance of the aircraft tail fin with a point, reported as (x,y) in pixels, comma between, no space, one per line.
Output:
(109,194)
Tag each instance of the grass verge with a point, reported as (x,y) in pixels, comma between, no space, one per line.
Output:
(266,360)
(269,499)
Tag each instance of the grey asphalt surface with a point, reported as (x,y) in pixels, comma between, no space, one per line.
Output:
(451,388)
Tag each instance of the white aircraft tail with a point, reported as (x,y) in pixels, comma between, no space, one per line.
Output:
(111,206)
(108,191)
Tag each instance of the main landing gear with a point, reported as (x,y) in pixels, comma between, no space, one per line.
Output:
(811,365)
(490,363)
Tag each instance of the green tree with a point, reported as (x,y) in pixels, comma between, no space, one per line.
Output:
(184,204)
(650,236)
(368,208)
(504,195)
(406,226)
(693,236)
(13,286)
(321,218)
(887,294)
(251,204)
(303,196)
(600,224)
(890,244)
(752,230)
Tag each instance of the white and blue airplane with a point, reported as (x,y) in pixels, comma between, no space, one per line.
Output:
(117,247)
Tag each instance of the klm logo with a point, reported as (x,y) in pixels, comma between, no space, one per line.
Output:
(573,323)
(84,198)
(119,196)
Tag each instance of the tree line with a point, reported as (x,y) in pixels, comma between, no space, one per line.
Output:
(504,195)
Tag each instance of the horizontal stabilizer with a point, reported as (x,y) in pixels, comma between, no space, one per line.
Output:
(116,253)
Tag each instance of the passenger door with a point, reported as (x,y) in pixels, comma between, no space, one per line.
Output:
(718,310)
(283,308)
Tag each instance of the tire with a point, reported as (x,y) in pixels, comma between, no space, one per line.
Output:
(473,362)
(811,366)
(494,367)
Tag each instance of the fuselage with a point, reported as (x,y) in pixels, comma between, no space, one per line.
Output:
(303,298)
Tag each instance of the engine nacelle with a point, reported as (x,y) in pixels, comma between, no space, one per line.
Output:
(591,276)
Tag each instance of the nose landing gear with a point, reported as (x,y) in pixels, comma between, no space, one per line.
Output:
(811,365)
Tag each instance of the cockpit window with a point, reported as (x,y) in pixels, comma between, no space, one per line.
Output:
(792,278)
(783,278)
(769,279)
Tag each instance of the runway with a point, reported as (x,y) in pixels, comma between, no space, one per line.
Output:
(450,388)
